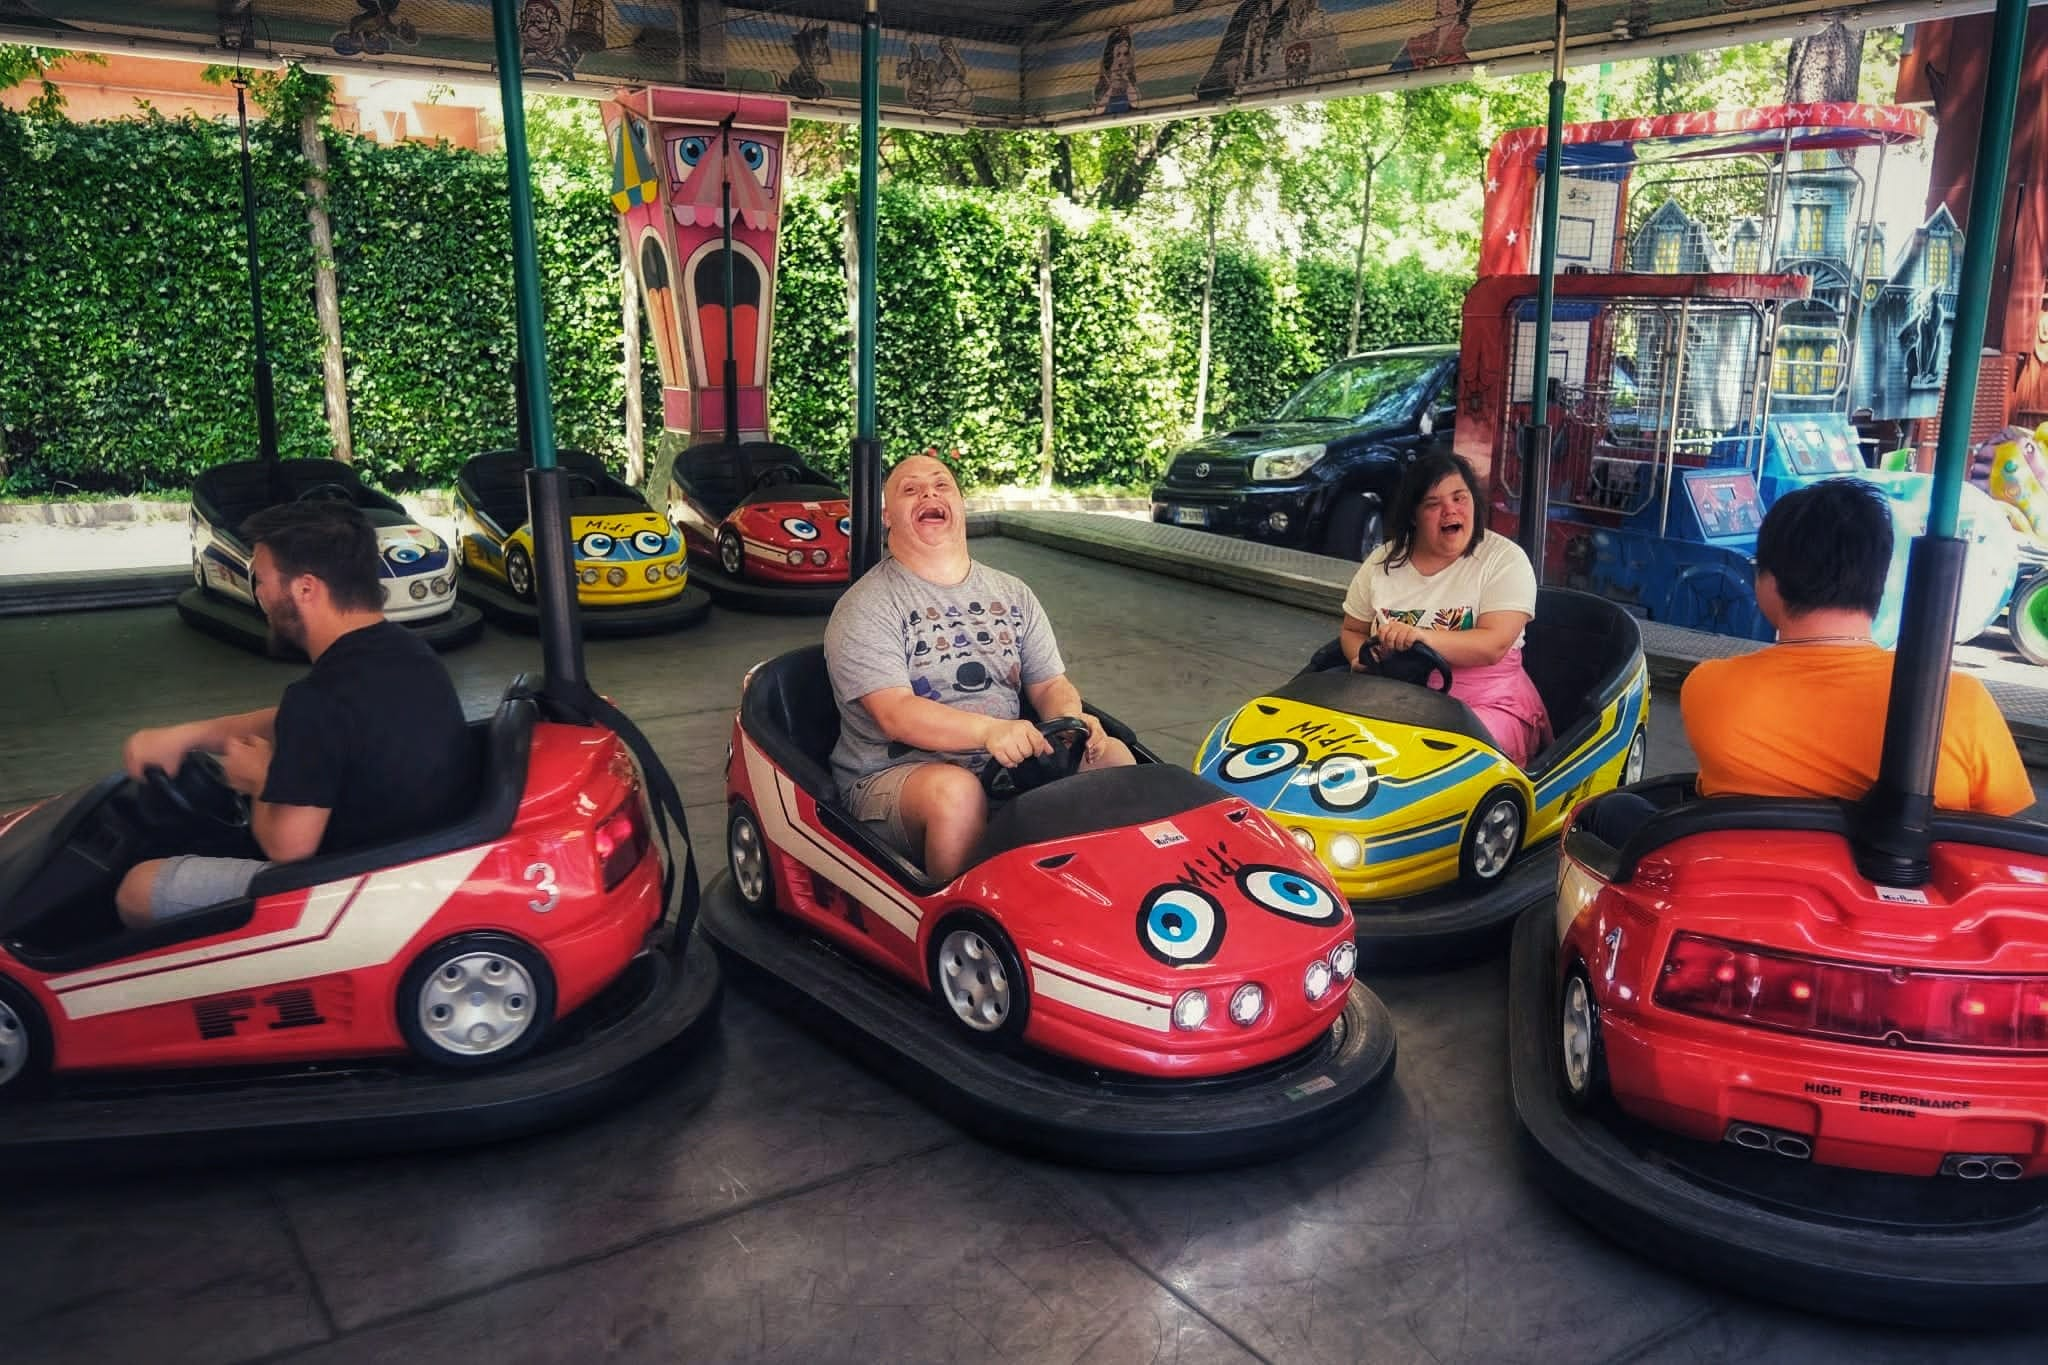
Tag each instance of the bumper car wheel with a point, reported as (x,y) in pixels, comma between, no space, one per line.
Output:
(519,573)
(978,981)
(24,1042)
(476,1000)
(1583,1065)
(732,556)
(1638,753)
(747,853)
(1492,838)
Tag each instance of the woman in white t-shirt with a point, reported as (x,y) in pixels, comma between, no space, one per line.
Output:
(1443,580)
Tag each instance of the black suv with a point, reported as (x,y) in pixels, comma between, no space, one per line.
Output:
(1318,474)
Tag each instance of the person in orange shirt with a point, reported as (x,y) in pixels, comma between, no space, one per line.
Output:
(1805,717)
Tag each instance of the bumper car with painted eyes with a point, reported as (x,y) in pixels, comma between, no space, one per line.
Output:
(418,577)
(1731,1051)
(765,531)
(1135,970)
(1438,840)
(631,575)
(522,966)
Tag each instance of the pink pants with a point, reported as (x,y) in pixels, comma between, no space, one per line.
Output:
(1507,704)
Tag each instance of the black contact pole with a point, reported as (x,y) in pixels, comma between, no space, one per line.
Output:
(266,400)
(1893,832)
(867,448)
(732,363)
(1535,522)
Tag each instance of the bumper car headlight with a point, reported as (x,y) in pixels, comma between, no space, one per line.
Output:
(442,585)
(1290,463)
(1344,960)
(615,577)
(1303,840)
(418,589)
(1315,984)
(821,557)
(1346,852)
(673,571)
(1191,1010)
(654,573)
(588,575)
(795,556)
(1247,1003)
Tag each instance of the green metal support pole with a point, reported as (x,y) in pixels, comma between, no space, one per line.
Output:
(1535,510)
(1894,833)
(867,450)
(561,635)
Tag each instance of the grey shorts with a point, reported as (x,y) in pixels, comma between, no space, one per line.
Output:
(188,883)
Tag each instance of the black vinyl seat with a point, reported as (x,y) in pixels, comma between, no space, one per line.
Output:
(494,484)
(229,494)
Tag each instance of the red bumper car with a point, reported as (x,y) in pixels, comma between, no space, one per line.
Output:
(1735,1051)
(765,531)
(1135,969)
(500,974)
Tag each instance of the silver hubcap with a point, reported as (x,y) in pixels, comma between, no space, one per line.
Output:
(1493,841)
(749,864)
(519,573)
(477,1004)
(973,980)
(13,1044)
(1632,766)
(729,553)
(1578,1036)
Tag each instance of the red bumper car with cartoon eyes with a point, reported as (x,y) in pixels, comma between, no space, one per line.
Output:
(765,531)
(504,973)
(1134,970)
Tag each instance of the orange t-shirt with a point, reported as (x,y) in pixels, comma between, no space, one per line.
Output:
(1808,720)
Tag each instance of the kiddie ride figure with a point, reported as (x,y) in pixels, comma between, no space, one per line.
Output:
(1429,755)
(414,567)
(364,924)
(630,572)
(1110,961)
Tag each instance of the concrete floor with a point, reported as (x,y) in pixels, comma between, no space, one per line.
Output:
(778,1203)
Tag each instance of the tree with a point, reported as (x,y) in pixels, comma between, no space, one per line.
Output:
(1234,160)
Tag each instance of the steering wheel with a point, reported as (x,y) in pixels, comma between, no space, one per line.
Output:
(328,492)
(1415,664)
(200,789)
(776,475)
(1002,783)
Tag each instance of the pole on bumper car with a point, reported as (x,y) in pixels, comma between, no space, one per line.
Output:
(1536,434)
(561,629)
(266,396)
(1892,835)
(867,451)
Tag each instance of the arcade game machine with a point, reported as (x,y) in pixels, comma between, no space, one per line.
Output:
(697,179)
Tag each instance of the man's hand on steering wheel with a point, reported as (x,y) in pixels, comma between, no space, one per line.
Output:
(163,747)
(1010,742)
(1097,737)
(246,764)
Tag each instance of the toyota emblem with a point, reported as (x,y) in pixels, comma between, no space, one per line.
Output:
(1202,470)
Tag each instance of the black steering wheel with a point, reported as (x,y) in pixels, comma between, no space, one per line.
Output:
(327,492)
(1416,664)
(200,790)
(776,475)
(1069,738)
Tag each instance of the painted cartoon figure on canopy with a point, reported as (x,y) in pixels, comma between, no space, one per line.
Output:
(676,157)
(2019,477)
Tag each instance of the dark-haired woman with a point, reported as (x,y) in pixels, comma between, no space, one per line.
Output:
(1444,581)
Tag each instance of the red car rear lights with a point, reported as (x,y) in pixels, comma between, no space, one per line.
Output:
(621,842)
(1853,1002)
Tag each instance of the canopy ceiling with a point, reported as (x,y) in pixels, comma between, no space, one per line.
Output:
(1044,63)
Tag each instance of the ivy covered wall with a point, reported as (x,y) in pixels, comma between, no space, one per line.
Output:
(125,344)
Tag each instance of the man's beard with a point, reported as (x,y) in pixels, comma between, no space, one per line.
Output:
(287,628)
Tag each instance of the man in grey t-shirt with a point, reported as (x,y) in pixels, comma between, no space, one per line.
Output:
(931,656)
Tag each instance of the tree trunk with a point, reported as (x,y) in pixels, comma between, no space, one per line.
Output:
(1826,68)
(1208,295)
(1045,357)
(1358,262)
(326,296)
(629,323)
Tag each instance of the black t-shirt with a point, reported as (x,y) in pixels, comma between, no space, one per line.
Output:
(374,735)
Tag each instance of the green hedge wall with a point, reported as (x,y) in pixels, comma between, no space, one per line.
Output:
(125,364)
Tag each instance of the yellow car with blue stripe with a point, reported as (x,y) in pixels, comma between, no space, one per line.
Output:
(1396,788)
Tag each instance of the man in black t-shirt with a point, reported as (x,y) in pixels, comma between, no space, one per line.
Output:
(368,747)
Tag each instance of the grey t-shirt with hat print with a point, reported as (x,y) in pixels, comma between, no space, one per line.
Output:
(975,644)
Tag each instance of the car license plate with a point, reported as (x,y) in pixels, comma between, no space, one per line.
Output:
(1191,516)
